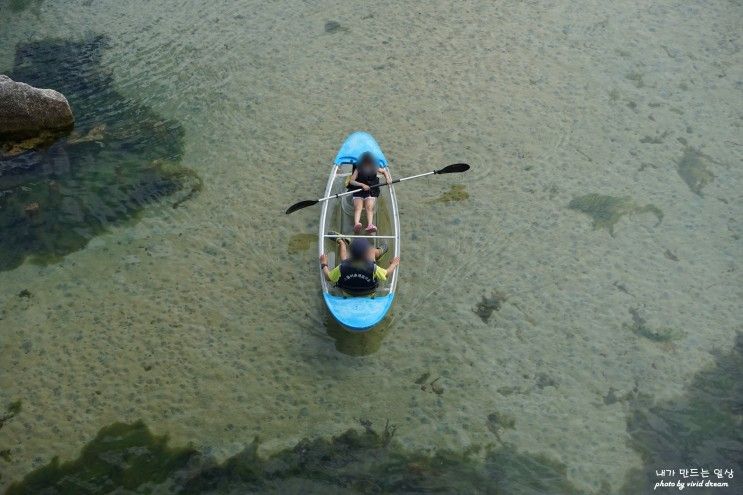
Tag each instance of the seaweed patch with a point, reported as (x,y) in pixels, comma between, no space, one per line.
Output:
(640,328)
(701,427)
(56,193)
(457,192)
(692,168)
(129,458)
(300,242)
(487,305)
(606,211)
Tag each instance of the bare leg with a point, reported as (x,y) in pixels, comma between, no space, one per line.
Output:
(342,251)
(369,205)
(358,204)
(373,255)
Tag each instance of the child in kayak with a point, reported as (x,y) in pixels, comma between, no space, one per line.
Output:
(364,176)
(358,273)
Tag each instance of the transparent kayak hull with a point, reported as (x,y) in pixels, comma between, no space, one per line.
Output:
(359,313)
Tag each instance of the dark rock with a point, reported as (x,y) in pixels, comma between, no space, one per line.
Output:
(26,111)
(56,195)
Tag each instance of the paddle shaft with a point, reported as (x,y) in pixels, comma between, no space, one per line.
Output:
(449,169)
(376,186)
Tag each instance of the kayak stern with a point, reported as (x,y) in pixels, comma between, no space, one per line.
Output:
(358,314)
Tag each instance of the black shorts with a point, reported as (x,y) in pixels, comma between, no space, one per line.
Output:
(371,193)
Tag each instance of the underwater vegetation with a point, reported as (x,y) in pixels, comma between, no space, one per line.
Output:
(693,170)
(487,305)
(457,192)
(640,327)
(701,429)
(606,211)
(21,5)
(432,386)
(497,422)
(301,242)
(120,158)
(129,458)
(334,27)
(13,409)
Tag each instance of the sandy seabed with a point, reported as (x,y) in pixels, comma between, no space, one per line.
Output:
(206,322)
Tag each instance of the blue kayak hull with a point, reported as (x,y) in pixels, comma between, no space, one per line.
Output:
(356,144)
(358,314)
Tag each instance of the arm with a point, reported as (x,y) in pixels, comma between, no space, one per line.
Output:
(354,182)
(325,269)
(387,175)
(393,265)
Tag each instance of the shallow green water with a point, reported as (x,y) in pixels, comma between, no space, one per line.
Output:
(568,309)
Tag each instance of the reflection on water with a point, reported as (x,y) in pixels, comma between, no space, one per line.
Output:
(121,157)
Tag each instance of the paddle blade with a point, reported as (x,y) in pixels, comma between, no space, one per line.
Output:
(453,168)
(300,205)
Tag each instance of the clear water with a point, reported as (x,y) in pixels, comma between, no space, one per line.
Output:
(574,298)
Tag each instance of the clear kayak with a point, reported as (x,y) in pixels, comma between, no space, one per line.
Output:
(358,313)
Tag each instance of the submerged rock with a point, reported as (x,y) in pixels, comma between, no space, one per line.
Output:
(26,111)
(121,157)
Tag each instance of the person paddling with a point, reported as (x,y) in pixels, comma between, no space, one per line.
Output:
(358,274)
(364,176)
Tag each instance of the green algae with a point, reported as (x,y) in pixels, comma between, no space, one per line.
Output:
(488,305)
(693,169)
(300,242)
(457,192)
(120,457)
(129,458)
(498,421)
(640,327)
(606,211)
(121,157)
(22,5)
(11,411)
(654,139)
(332,27)
(700,429)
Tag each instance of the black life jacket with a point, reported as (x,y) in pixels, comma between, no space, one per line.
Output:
(367,175)
(357,277)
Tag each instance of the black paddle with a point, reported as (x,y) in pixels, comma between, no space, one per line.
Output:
(454,168)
